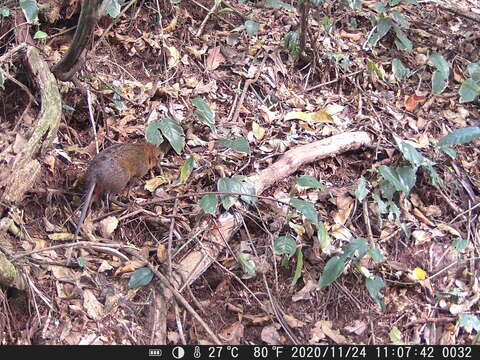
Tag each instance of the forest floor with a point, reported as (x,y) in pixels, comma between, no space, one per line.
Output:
(158,64)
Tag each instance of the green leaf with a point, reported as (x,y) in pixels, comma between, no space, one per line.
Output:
(403,179)
(153,134)
(333,269)
(285,245)
(251,27)
(396,336)
(376,255)
(236,184)
(459,245)
(361,192)
(209,203)
(323,237)
(382,28)
(460,136)
(380,7)
(399,70)
(449,151)
(140,277)
(306,208)
(277,4)
(186,170)
(387,189)
(113,8)
(400,19)
(174,134)
(440,64)
(372,67)
(382,205)
(298,269)
(439,77)
(244,186)
(117,100)
(402,41)
(374,285)
(4,11)
(435,179)
(2,80)
(204,113)
(81,261)
(67,107)
(40,35)
(469,321)
(227,185)
(474,71)
(309,182)
(355,249)
(469,90)
(413,156)
(439,82)
(30,9)
(292,43)
(248,265)
(238,143)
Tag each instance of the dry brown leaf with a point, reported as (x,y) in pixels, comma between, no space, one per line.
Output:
(270,335)
(161,253)
(214,59)
(292,321)
(232,334)
(331,333)
(131,266)
(412,101)
(344,206)
(50,161)
(63,273)
(108,226)
(202,88)
(357,328)
(196,52)
(422,217)
(174,56)
(94,308)
(340,232)
(257,320)
(317,334)
(421,237)
(305,292)
(351,36)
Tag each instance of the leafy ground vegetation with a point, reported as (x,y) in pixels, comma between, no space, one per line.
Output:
(377,241)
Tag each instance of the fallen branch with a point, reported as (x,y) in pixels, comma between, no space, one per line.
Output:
(195,263)
(26,168)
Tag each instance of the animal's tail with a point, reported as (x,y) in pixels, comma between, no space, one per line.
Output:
(85,206)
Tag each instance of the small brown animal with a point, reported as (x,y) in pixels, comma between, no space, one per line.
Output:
(111,170)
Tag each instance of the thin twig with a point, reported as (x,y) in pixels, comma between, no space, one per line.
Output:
(333,81)
(216,4)
(165,282)
(92,120)
(23,87)
(170,238)
(245,89)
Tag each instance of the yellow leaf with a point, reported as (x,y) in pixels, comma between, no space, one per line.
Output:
(417,274)
(258,131)
(450,229)
(321,116)
(152,184)
(174,57)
